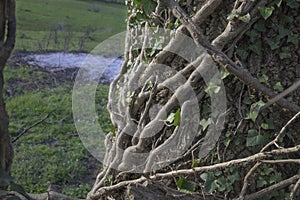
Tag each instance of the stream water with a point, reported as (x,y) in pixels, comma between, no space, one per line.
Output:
(108,68)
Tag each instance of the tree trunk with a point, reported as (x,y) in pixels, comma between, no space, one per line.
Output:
(224,87)
(7,41)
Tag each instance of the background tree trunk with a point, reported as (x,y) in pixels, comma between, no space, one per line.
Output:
(246,146)
(7,42)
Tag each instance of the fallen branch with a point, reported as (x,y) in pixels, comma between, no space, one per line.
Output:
(256,157)
(30,127)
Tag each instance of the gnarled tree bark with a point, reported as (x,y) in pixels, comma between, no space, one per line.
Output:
(7,42)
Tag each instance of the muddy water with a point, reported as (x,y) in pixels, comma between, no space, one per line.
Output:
(104,68)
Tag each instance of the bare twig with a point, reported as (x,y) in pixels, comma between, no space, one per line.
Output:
(30,127)
(297,161)
(282,94)
(274,187)
(246,180)
(295,190)
(281,132)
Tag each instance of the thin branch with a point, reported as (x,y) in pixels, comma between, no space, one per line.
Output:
(272,188)
(30,127)
(282,94)
(296,161)
(281,132)
(295,190)
(246,180)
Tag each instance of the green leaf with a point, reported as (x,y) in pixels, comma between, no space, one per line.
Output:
(293,39)
(148,6)
(293,4)
(283,32)
(273,43)
(234,177)
(253,139)
(221,184)
(264,78)
(260,26)
(185,185)
(278,87)
(177,117)
(254,110)
(232,15)
(278,3)
(196,163)
(246,18)
(242,53)
(171,118)
(285,53)
(212,88)
(261,182)
(256,47)
(266,12)
(205,123)
(209,184)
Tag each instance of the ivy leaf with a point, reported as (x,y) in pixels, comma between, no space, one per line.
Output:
(285,53)
(246,18)
(210,184)
(268,125)
(264,78)
(148,6)
(254,139)
(260,26)
(234,177)
(273,43)
(185,185)
(177,117)
(293,39)
(171,118)
(278,3)
(266,12)
(283,32)
(196,163)
(205,123)
(254,110)
(278,87)
(232,15)
(293,4)
(261,182)
(212,88)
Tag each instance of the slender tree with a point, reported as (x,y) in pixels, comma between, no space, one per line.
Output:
(7,42)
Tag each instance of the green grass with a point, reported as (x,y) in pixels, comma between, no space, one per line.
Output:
(37,21)
(51,151)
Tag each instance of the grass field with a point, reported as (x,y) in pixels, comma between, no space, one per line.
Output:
(52,151)
(66,25)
